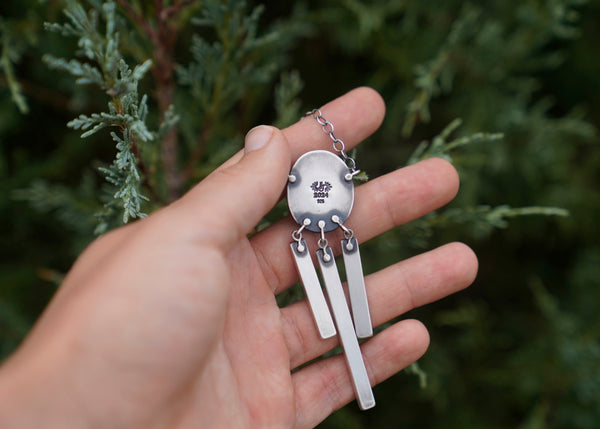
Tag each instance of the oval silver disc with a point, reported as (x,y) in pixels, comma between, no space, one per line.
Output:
(317,190)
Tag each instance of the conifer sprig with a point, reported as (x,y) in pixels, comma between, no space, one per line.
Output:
(482,219)
(230,57)
(9,55)
(105,67)
(435,76)
(440,147)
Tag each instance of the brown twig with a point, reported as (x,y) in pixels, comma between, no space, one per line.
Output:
(139,19)
(163,36)
(165,91)
(172,11)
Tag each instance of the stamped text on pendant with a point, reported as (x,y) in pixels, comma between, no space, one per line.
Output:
(321,191)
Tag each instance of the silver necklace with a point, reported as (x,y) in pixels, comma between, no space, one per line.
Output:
(320,196)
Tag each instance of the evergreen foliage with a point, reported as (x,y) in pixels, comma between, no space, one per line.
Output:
(110,72)
(518,349)
(11,53)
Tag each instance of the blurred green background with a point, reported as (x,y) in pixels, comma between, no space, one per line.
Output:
(520,348)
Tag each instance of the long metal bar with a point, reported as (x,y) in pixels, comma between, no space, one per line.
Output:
(343,320)
(312,288)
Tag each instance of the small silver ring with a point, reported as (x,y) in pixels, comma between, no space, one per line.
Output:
(339,145)
(313,113)
(321,120)
(330,125)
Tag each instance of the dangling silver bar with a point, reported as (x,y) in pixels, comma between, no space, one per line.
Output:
(356,282)
(356,288)
(312,289)
(343,320)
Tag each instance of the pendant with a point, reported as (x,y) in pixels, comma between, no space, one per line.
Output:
(320,194)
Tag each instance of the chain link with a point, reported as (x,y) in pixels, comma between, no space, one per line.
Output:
(338,144)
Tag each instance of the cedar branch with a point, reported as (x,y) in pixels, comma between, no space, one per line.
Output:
(163,36)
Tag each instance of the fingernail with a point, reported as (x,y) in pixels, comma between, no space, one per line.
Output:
(257,138)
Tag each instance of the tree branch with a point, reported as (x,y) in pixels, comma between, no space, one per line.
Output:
(165,91)
(163,37)
(172,11)
(158,8)
(139,19)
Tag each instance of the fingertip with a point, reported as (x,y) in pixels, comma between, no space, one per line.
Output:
(448,172)
(467,262)
(257,138)
(461,264)
(418,336)
(270,145)
(395,348)
(373,103)
(408,338)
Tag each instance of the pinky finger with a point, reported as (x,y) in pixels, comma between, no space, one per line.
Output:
(325,386)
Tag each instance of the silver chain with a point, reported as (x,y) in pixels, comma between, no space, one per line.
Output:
(338,144)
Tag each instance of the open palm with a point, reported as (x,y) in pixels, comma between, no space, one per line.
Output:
(172,321)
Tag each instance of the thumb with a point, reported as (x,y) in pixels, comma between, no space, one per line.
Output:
(226,205)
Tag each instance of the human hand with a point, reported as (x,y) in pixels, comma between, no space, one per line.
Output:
(172,321)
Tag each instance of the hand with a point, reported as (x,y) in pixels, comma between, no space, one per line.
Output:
(171,322)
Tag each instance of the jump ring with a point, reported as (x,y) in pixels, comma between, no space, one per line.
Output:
(348,234)
(330,130)
(338,145)
(314,113)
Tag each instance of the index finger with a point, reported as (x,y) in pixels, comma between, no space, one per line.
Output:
(356,115)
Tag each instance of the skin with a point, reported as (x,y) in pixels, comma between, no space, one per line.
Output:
(172,322)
